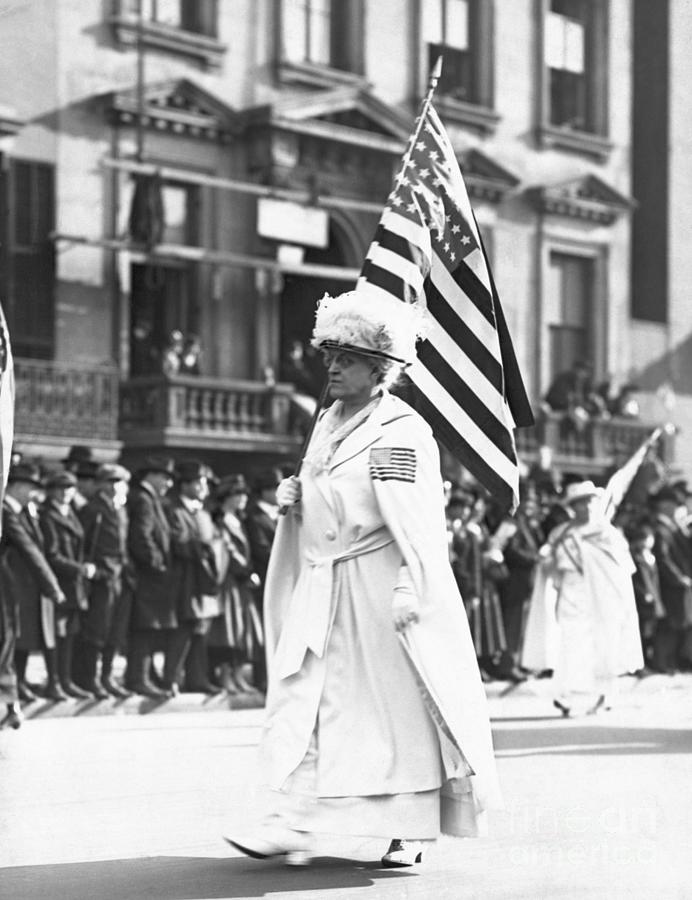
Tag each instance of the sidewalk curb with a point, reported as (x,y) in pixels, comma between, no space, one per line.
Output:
(497,692)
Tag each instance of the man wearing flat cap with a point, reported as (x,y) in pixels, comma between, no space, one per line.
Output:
(195,581)
(64,542)
(583,620)
(149,549)
(104,520)
(29,591)
(672,552)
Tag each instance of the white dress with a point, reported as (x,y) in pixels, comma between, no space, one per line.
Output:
(349,740)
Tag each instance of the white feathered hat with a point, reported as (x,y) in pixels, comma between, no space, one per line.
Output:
(369,323)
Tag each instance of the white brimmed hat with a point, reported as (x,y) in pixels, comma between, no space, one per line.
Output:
(581,490)
(369,323)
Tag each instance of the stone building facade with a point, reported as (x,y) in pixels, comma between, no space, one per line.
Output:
(240,106)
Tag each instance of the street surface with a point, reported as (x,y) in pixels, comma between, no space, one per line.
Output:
(132,806)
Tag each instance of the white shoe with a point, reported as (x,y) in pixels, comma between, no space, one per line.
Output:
(273,840)
(402,853)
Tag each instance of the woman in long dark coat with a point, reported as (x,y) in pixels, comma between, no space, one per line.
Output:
(236,634)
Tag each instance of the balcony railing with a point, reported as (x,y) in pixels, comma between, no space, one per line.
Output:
(69,402)
(594,446)
(212,412)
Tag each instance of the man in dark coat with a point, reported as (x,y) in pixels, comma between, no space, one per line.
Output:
(64,542)
(29,581)
(195,582)
(25,577)
(104,520)
(671,550)
(521,559)
(81,463)
(149,545)
(261,521)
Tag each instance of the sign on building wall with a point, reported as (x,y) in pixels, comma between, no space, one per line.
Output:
(292,223)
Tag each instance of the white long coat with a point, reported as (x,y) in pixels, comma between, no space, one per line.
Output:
(335,562)
(582,620)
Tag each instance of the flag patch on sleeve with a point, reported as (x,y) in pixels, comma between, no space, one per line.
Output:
(393,464)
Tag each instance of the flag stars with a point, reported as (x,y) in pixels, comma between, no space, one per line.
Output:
(456,228)
(420,146)
(465,240)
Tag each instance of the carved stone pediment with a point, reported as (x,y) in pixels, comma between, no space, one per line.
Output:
(180,107)
(485,179)
(344,137)
(587,198)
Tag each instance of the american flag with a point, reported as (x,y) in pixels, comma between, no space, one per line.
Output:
(427,248)
(6,404)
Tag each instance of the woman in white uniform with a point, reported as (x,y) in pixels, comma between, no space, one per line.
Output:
(583,621)
(376,716)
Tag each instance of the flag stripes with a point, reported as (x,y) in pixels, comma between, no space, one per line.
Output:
(393,464)
(428,248)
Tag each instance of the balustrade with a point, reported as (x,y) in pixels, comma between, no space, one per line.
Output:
(65,401)
(204,407)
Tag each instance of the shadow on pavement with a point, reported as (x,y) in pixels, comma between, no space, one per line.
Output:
(596,738)
(187,878)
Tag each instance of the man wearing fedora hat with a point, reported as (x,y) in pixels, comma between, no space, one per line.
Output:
(28,593)
(674,560)
(30,579)
(104,520)
(81,463)
(583,618)
(195,580)
(64,540)
(149,549)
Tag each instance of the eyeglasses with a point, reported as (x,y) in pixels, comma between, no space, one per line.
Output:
(342,358)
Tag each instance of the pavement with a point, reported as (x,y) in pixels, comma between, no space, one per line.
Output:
(126,806)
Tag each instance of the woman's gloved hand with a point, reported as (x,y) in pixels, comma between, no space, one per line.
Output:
(405,603)
(289,491)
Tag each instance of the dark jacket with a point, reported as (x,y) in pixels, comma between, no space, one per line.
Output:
(26,579)
(647,587)
(521,557)
(261,529)
(195,575)
(148,544)
(673,560)
(64,542)
(105,536)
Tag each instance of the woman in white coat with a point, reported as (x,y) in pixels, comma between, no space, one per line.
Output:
(583,621)
(376,716)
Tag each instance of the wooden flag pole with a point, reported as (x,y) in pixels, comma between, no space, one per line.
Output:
(318,409)
(434,77)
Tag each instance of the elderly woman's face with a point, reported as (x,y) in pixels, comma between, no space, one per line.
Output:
(351,376)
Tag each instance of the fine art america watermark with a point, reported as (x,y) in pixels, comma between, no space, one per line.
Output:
(621,833)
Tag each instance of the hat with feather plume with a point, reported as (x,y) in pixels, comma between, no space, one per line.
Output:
(368,323)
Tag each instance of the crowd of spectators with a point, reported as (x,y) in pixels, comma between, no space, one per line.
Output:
(163,566)
(494,558)
(162,569)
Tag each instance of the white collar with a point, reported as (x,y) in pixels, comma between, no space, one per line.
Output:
(13,503)
(191,504)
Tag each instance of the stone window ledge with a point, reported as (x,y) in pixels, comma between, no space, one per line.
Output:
(317,75)
(593,145)
(207,50)
(481,118)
